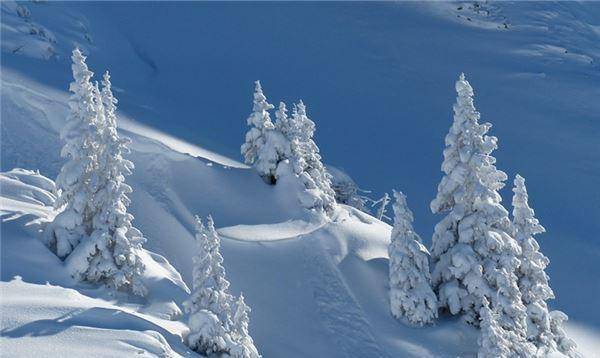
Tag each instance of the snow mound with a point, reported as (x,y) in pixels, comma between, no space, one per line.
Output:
(270,232)
(25,191)
(60,322)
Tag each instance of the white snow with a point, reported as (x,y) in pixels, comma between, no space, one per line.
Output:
(270,232)
(316,287)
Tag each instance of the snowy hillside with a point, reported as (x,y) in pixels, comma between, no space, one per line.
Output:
(317,287)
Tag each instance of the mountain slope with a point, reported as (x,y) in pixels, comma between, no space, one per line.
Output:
(316,288)
(306,280)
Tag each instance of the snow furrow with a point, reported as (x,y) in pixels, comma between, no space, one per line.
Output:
(339,311)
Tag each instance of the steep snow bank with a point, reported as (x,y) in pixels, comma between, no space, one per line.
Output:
(46,320)
(40,299)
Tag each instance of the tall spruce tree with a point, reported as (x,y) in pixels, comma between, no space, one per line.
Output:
(544,329)
(81,136)
(259,150)
(411,296)
(306,163)
(474,254)
(111,253)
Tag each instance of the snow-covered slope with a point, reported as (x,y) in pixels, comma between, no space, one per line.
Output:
(306,280)
(317,289)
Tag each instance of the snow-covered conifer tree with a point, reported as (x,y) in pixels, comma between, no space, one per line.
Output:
(111,253)
(73,182)
(493,341)
(259,150)
(283,122)
(496,341)
(239,331)
(209,305)
(278,142)
(473,252)
(533,280)
(209,282)
(564,344)
(214,327)
(306,162)
(411,295)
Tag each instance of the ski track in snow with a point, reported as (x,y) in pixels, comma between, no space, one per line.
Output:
(339,311)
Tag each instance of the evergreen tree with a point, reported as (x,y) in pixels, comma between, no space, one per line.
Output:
(533,280)
(306,162)
(411,295)
(245,347)
(496,341)
(80,134)
(564,344)
(474,254)
(278,145)
(111,253)
(214,327)
(209,282)
(283,123)
(493,341)
(289,141)
(259,150)
(209,305)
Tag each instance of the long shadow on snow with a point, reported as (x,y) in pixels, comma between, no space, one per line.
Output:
(97,317)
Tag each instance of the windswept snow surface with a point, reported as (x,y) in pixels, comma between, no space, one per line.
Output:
(378,81)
